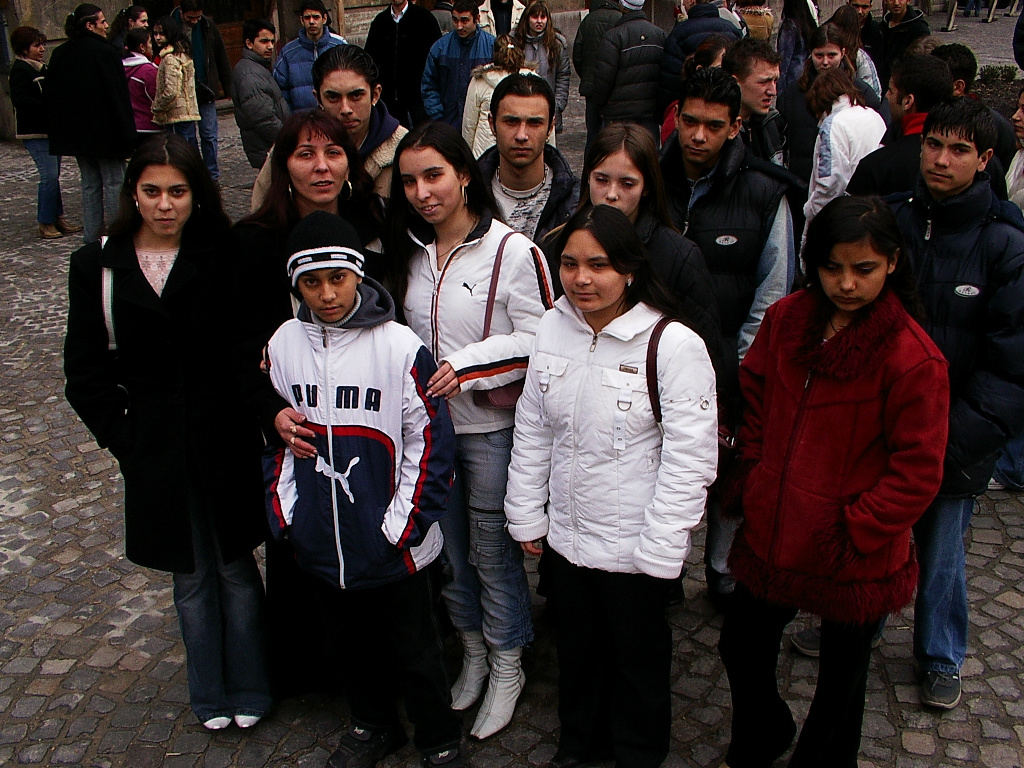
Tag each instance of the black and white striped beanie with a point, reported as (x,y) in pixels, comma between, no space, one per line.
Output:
(323,240)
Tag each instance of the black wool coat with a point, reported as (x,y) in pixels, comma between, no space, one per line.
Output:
(400,52)
(166,402)
(89,110)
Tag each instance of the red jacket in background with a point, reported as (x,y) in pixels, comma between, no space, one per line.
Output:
(141,74)
(847,440)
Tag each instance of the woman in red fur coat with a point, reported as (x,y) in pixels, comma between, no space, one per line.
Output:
(842,444)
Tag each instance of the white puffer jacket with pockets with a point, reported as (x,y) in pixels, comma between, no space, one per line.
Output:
(591,469)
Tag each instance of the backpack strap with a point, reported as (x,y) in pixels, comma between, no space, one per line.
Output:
(492,292)
(652,366)
(107,292)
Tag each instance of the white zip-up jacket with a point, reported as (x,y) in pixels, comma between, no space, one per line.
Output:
(364,511)
(591,469)
(446,307)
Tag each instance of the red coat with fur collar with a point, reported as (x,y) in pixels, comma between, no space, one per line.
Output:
(846,440)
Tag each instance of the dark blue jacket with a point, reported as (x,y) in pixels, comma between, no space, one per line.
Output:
(448,70)
(703,20)
(967,253)
(294,68)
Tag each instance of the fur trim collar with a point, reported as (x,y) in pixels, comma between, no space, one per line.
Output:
(855,350)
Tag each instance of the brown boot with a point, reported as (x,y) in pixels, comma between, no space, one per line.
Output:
(66,227)
(49,232)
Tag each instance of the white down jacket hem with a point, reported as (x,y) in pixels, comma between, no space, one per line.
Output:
(591,470)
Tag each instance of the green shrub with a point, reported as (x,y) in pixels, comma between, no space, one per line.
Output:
(990,73)
(1008,73)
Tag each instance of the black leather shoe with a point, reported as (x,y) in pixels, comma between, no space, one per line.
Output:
(365,747)
(567,761)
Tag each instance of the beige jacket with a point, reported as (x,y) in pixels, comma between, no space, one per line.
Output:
(476,125)
(175,100)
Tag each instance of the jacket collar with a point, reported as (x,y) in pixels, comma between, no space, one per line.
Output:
(136,60)
(382,126)
(251,56)
(625,327)
(913,124)
(562,177)
(958,211)
(422,234)
(857,349)
(628,16)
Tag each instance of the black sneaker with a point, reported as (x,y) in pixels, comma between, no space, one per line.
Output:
(364,747)
(940,690)
(808,642)
(450,758)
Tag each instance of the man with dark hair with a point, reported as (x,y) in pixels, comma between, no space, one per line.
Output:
(294,69)
(704,18)
(917,84)
(603,15)
(399,40)
(450,63)
(624,78)
(260,109)
(964,67)
(755,65)
(533,185)
(901,26)
(967,252)
(734,207)
(213,74)
(870,32)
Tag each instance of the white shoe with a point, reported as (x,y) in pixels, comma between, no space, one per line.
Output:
(995,485)
(217,723)
(470,683)
(503,688)
(247,721)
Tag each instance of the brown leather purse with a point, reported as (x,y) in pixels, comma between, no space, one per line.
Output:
(506,396)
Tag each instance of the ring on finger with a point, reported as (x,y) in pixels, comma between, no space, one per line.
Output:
(293,441)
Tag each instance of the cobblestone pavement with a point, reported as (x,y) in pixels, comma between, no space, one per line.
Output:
(92,667)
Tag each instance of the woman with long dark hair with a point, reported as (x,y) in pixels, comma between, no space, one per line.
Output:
(799,20)
(86,78)
(473,290)
(548,51)
(175,105)
(840,452)
(127,19)
(141,356)
(614,449)
(314,167)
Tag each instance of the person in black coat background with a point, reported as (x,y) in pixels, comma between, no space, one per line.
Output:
(154,375)
(89,113)
(400,50)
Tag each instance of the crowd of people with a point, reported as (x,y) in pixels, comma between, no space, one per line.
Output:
(457,353)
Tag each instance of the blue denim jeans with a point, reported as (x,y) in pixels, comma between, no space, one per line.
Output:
(489,590)
(208,137)
(1010,468)
(940,613)
(717,544)
(101,189)
(187,131)
(220,611)
(49,204)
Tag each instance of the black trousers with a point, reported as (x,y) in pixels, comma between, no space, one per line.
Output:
(614,659)
(762,725)
(388,645)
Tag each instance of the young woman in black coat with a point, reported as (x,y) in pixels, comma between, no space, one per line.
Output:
(154,375)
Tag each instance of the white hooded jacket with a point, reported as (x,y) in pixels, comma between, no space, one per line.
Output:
(591,469)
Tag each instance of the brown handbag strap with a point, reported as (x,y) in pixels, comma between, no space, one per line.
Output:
(652,366)
(493,290)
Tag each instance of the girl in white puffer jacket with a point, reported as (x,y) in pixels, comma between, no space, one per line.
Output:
(614,493)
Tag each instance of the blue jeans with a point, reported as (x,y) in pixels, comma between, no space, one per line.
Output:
(187,131)
(1010,468)
(101,189)
(220,610)
(717,545)
(208,137)
(49,204)
(489,590)
(940,613)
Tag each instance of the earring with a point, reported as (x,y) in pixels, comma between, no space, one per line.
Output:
(629,282)
(137,206)
(465,196)
(348,191)
(291,192)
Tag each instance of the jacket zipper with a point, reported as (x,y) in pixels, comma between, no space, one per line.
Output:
(785,467)
(330,455)
(435,297)
(575,455)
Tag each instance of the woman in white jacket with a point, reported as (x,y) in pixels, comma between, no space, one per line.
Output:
(614,493)
(443,243)
(847,132)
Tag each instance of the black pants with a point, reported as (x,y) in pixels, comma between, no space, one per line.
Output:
(762,725)
(614,659)
(389,644)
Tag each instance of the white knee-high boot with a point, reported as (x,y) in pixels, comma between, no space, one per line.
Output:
(503,689)
(470,683)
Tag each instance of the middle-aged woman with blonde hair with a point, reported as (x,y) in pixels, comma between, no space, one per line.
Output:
(473,290)
(141,358)
(615,446)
